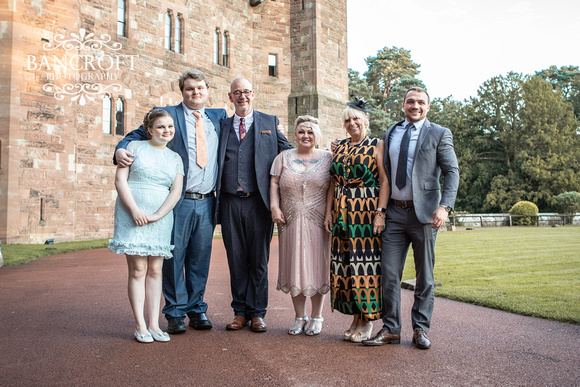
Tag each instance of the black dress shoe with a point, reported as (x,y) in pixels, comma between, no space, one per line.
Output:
(382,338)
(420,339)
(175,325)
(200,322)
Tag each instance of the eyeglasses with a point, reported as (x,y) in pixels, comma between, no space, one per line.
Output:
(237,93)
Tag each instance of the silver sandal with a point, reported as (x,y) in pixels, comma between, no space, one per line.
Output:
(296,330)
(312,331)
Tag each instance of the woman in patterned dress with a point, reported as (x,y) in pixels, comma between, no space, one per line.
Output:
(298,194)
(355,215)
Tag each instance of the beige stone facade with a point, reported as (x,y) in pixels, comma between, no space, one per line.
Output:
(56,171)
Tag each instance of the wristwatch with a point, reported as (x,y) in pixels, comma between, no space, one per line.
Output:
(447,208)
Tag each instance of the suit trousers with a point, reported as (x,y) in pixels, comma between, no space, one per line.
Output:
(404,229)
(247,232)
(185,275)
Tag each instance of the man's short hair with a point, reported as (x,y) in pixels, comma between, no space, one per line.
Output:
(418,90)
(193,74)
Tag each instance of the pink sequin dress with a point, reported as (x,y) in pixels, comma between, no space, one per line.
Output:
(304,265)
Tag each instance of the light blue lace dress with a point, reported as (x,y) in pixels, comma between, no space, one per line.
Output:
(150,178)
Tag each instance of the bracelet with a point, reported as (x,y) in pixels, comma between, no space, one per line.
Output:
(381,214)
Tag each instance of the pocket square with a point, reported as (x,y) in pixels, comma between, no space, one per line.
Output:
(266,131)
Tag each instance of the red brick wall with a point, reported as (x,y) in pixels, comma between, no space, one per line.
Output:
(53,152)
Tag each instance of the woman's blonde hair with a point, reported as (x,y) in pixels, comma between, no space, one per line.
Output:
(352,113)
(315,127)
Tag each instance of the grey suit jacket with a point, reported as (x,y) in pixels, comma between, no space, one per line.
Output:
(268,142)
(434,155)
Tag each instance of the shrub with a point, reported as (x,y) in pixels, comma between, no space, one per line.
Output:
(568,202)
(524,208)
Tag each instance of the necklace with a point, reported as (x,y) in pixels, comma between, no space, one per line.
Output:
(349,156)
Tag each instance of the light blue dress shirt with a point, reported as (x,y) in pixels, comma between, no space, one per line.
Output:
(394,149)
(201,180)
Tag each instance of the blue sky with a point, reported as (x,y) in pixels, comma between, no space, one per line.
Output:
(461,44)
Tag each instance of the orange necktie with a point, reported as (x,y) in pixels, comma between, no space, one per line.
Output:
(200,147)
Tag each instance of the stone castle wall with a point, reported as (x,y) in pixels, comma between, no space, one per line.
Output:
(56,171)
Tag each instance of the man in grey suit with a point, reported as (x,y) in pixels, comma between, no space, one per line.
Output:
(249,142)
(417,152)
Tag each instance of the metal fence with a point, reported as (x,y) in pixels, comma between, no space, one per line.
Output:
(499,220)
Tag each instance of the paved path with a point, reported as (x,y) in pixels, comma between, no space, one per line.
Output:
(65,320)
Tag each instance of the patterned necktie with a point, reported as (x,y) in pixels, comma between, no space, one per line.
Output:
(200,146)
(242,128)
(401,179)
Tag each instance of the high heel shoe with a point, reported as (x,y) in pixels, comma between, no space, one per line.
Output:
(347,334)
(297,329)
(362,333)
(312,331)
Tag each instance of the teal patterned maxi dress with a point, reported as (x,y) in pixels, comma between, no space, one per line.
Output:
(355,267)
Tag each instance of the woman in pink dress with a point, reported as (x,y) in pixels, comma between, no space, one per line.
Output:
(298,191)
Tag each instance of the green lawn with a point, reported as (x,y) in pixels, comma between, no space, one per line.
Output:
(17,254)
(531,271)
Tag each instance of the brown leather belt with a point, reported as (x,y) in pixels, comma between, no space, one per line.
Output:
(197,196)
(401,203)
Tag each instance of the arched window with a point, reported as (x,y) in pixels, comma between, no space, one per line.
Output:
(225,47)
(120,117)
(107,114)
(178,23)
(167,31)
(216,46)
(121,17)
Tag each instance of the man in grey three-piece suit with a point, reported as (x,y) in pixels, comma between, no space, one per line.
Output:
(249,142)
(416,153)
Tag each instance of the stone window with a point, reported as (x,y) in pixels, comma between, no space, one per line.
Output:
(121,17)
(272,65)
(225,47)
(168,30)
(42,220)
(216,46)
(107,114)
(120,117)
(178,32)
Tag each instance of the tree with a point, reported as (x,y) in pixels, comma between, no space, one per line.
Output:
(568,202)
(537,130)
(549,155)
(566,80)
(358,87)
(386,70)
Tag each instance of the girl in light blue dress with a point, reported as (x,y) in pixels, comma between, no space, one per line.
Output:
(148,190)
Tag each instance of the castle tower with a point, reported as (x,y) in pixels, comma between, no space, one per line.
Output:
(318,64)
